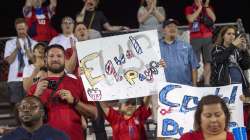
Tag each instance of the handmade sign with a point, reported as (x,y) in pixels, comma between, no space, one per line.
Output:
(177,104)
(120,67)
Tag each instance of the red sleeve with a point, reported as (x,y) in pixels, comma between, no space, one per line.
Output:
(186,136)
(68,53)
(188,10)
(113,116)
(143,112)
(32,90)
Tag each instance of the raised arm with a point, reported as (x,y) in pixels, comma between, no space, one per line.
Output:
(147,100)
(105,107)
(192,17)
(81,15)
(209,11)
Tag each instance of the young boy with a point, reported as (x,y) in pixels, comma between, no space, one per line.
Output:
(128,123)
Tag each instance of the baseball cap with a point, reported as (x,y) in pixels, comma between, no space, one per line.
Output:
(169,21)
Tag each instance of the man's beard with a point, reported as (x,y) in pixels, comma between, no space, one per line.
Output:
(32,121)
(56,70)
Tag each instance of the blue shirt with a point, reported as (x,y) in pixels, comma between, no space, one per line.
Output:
(43,133)
(180,60)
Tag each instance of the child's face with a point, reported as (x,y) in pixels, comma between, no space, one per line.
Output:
(128,108)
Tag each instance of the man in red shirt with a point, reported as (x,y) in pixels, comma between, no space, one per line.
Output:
(128,124)
(63,95)
(201,18)
(39,19)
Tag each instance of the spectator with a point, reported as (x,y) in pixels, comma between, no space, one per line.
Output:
(18,52)
(95,20)
(178,55)
(38,18)
(201,18)
(67,40)
(128,124)
(211,120)
(63,95)
(31,114)
(33,71)
(150,16)
(81,32)
(230,58)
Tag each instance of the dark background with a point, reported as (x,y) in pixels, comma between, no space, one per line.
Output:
(124,12)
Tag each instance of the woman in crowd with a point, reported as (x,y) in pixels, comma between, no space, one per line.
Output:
(211,120)
(33,72)
(150,16)
(230,58)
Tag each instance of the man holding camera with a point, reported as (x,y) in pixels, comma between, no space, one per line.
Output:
(201,18)
(63,95)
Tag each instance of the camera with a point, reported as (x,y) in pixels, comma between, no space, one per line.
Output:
(51,84)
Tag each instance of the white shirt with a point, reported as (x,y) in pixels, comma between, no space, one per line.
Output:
(63,40)
(28,70)
(10,46)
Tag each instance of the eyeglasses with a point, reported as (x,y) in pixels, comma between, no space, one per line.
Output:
(68,22)
(30,107)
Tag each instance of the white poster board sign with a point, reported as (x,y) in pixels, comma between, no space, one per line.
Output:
(177,104)
(120,67)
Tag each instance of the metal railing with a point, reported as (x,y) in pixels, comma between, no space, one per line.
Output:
(4,65)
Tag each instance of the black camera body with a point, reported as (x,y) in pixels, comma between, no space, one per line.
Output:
(51,84)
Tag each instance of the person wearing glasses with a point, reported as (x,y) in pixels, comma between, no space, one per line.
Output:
(31,114)
(128,122)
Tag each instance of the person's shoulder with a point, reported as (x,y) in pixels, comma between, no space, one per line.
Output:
(194,135)
(11,41)
(56,133)
(183,43)
(13,135)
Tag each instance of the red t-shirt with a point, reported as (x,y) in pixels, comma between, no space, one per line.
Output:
(204,32)
(197,135)
(40,28)
(130,129)
(61,115)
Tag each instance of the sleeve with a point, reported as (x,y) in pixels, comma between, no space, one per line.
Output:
(220,56)
(9,48)
(32,90)
(103,19)
(188,10)
(53,41)
(192,58)
(244,62)
(27,71)
(68,53)
(186,136)
(113,116)
(143,112)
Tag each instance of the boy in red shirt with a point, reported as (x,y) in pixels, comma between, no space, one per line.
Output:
(128,123)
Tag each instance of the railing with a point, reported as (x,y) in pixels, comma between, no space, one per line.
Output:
(4,65)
